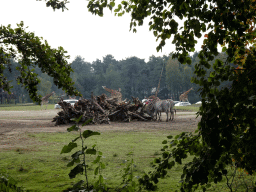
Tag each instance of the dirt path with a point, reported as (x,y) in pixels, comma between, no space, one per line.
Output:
(13,124)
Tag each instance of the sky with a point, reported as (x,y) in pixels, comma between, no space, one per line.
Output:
(82,34)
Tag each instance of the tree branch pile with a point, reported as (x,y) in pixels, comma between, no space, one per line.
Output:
(102,110)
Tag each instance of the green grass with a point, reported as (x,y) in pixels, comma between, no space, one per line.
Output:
(28,107)
(192,108)
(24,107)
(41,167)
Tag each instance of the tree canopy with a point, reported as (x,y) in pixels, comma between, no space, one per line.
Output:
(30,51)
(227,129)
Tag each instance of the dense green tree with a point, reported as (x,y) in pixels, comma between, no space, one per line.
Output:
(142,82)
(31,52)
(113,78)
(145,78)
(110,60)
(82,76)
(44,86)
(186,77)
(156,64)
(88,84)
(173,77)
(80,66)
(227,128)
(11,75)
(99,67)
(131,68)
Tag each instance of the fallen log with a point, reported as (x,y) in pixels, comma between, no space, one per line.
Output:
(102,110)
(136,115)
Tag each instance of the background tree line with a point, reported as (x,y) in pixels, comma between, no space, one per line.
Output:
(133,75)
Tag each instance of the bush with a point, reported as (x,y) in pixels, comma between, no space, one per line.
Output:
(7,183)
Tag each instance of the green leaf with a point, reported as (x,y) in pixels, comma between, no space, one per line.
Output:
(208,185)
(78,184)
(87,122)
(172,163)
(101,178)
(97,160)
(118,8)
(224,49)
(91,151)
(71,163)
(78,169)
(73,128)
(68,148)
(75,139)
(77,154)
(158,160)
(78,119)
(102,165)
(112,4)
(96,171)
(164,142)
(170,137)
(165,154)
(88,133)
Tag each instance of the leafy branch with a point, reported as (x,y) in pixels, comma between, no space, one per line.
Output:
(30,51)
(80,167)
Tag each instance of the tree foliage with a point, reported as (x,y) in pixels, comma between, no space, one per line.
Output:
(227,129)
(30,52)
(174,78)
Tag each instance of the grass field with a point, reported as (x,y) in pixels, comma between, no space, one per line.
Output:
(40,166)
(29,107)
(192,107)
(24,107)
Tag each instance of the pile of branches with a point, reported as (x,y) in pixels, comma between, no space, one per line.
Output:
(101,110)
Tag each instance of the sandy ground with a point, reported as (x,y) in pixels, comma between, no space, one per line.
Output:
(14,124)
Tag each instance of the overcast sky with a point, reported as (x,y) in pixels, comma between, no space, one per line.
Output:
(81,33)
